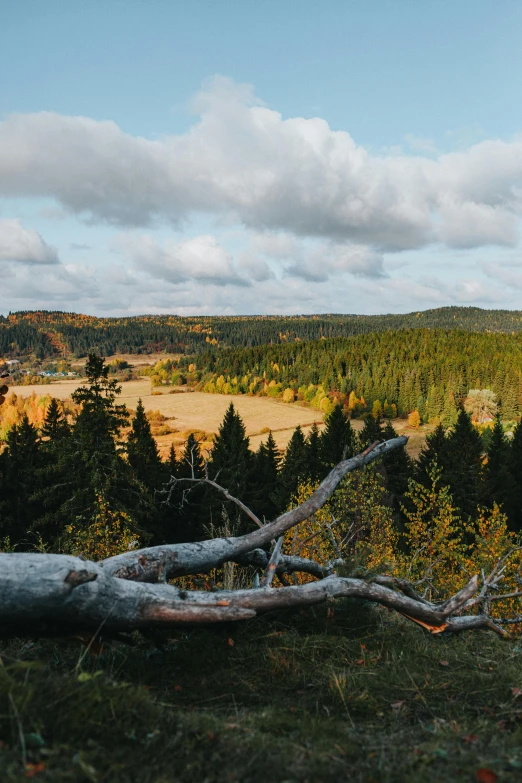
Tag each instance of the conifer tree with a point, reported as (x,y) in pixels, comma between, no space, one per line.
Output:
(191,464)
(337,440)
(232,462)
(90,472)
(142,451)
(515,470)
(184,515)
(294,469)
(265,479)
(464,466)
(435,451)
(55,425)
(398,468)
(172,462)
(313,450)
(19,470)
(371,432)
(497,476)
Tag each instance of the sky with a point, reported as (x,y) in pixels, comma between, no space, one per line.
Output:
(240,157)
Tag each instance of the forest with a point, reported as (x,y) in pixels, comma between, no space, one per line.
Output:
(430,371)
(434,540)
(49,334)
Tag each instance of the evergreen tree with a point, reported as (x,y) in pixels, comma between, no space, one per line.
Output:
(337,440)
(19,464)
(294,469)
(313,450)
(142,451)
(231,464)
(191,464)
(265,479)
(371,432)
(435,451)
(515,470)
(90,471)
(498,486)
(55,425)
(398,468)
(172,464)
(184,514)
(464,465)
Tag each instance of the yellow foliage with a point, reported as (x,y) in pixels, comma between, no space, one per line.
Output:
(414,419)
(109,533)
(35,406)
(355,523)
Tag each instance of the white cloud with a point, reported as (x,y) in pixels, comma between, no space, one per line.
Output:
(242,161)
(24,245)
(199,258)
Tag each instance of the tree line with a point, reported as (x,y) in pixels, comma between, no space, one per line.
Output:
(79,486)
(47,334)
(428,370)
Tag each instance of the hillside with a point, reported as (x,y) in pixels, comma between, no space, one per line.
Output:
(47,334)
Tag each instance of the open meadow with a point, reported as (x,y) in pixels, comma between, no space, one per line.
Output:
(188,411)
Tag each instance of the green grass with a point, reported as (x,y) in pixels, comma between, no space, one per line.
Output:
(359,696)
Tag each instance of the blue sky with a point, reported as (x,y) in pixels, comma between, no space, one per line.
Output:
(260,157)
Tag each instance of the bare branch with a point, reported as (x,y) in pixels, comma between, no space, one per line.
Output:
(181,559)
(224,491)
(269,574)
(37,597)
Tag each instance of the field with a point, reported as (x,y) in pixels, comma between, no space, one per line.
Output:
(319,696)
(195,411)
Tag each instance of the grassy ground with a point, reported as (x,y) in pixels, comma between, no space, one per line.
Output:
(355,694)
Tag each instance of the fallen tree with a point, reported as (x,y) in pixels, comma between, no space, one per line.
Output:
(49,594)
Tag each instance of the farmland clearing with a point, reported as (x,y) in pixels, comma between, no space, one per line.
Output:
(193,411)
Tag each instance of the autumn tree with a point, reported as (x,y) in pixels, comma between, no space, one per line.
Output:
(481,404)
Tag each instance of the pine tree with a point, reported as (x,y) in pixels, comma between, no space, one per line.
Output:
(232,465)
(55,425)
(435,451)
(172,462)
(191,464)
(231,459)
(265,479)
(497,476)
(371,432)
(515,470)
(398,468)
(19,469)
(142,451)
(294,469)
(90,470)
(185,512)
(464,465)
(313,450)
(337,440)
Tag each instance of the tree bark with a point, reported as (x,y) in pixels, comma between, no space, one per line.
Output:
(40,591)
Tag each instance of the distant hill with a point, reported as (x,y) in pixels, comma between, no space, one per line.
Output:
(48,334)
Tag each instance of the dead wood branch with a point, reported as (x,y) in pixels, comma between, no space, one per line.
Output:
(43,594)
(145,565)
(195,481)
(269,574)
(38,596)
